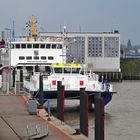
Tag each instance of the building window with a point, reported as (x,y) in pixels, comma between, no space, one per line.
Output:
(111,47)
(95,46)
(50,58)
(21,57)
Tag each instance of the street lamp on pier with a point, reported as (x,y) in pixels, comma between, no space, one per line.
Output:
(8,42)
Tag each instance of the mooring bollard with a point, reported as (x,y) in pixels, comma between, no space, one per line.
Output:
(49,111)
(21,81)
(60,101)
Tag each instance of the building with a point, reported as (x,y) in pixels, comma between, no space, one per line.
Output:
(99,51)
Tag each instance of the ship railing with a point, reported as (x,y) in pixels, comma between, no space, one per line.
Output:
(46,39)
(18,88)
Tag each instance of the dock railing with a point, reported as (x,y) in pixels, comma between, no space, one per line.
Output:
(17,89)
(5,88)
(36,131)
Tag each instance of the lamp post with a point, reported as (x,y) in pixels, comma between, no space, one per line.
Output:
(9,55)
(9,42)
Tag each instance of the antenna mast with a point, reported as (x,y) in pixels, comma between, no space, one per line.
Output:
(34,27)
(64,44)
(13,31)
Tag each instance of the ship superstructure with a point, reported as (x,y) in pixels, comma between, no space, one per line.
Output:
(33,50)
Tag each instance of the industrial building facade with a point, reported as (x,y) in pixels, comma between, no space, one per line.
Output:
(99,51)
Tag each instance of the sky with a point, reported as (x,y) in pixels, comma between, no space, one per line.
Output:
(90,15)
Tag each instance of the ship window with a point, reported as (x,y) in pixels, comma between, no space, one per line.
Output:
(41,69)
(21,57)
(75,70)
(42,46)
(67,70)
(47,69)
(17,46)
(29,68)
(36,57)
(23,45)
(50,58)
(53,46)
(29,45)
(29,57)
(59,46)
(58,70)
(48,45)
(43,57)
(19,67)
(35,45)
(36,68)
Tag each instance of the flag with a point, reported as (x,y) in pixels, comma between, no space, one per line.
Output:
(2,45)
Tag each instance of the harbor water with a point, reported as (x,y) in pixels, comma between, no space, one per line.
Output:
(122,114)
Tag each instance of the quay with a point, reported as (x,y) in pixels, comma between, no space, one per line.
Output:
(14,119)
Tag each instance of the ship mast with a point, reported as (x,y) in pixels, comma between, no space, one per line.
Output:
(34,27)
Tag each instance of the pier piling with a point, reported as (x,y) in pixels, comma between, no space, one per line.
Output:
(99,117)
(84,112)
(41,95)
(21,76)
